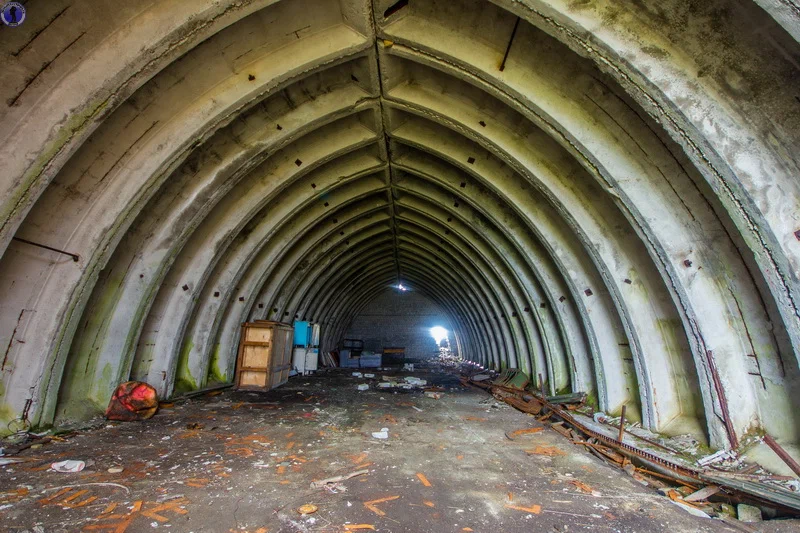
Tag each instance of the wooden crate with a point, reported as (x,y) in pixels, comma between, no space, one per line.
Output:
(265,355)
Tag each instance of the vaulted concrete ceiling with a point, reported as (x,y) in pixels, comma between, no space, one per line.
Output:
(603,193)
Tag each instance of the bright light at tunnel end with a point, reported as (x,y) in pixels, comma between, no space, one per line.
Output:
(439,334)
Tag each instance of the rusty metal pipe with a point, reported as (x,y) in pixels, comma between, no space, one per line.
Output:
(783,454)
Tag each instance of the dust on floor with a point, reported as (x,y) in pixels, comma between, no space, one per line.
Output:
(244,462)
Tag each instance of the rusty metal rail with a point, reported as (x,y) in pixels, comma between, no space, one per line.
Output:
(767,495)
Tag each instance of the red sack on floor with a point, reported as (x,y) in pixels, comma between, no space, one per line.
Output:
(133,400)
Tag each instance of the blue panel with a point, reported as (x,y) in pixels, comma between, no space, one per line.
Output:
(371,361)
(302,334)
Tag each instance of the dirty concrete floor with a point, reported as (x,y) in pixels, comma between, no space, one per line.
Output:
(242,461)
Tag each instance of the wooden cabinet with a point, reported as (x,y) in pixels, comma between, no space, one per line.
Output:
(265,355)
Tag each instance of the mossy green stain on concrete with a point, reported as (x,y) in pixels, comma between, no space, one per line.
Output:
(108,376)
(7,414)
(215,374)
(141,310)
(592,401)
(81,379)
(67,331)
(184,381)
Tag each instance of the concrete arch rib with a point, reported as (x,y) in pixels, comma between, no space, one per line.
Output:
(164,226)
(458,315)
(110,62)
(494,341)
(235,277)
(541,264)
(474,239)
(612,248)
(129,178)
(333,259)
(361,219)
(240,240)
(357,303)
(322,259)
(472,309)
(687,87)
(435,290)
(238,197)
(690,292)
(487,238)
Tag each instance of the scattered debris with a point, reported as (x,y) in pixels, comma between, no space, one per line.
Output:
(423,479)
(337,479)
(363,387)
(133,400)
(115,470)
(9,461)
(567,399)
(748,513)
(358,527)
(68,467)
(533,509)
(551,451)
(514,434)
(308,508)
(382,434)
(702,494)
(513,378)
(739,487)
(584,488)
(720,456)
(371,505)
(689,508)
(434,395)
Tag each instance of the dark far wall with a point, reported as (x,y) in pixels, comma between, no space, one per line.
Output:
(400,319)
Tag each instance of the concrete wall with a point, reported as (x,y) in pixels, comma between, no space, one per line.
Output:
(399,319)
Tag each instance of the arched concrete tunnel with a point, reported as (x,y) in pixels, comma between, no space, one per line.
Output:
(603,194)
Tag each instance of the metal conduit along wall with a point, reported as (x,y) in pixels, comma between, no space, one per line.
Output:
(602,193)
